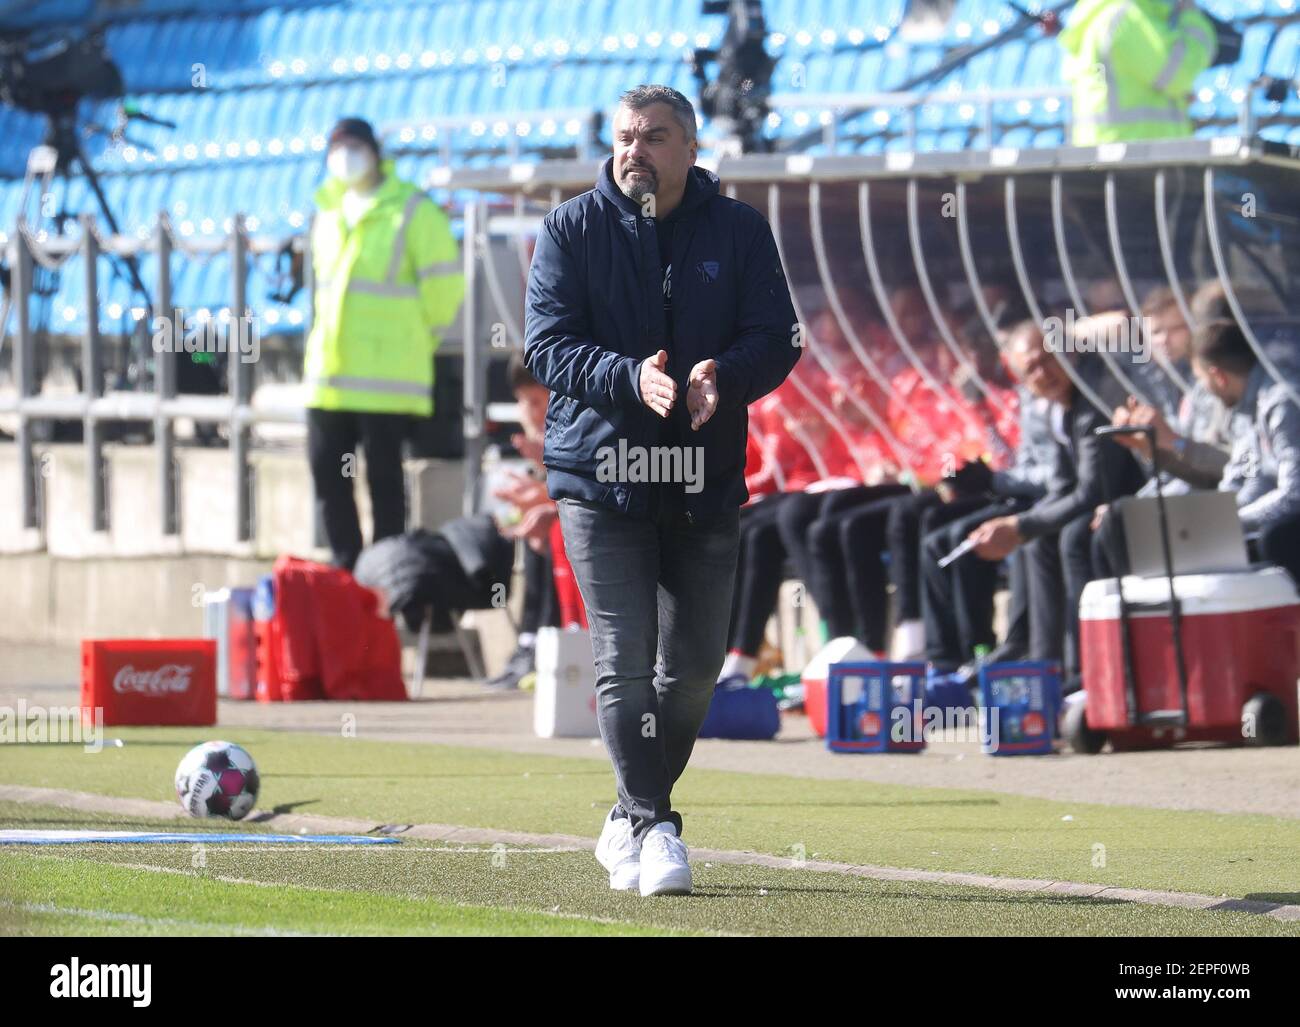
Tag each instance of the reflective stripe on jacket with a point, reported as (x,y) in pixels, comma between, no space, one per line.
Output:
(1131,64)
(386,290)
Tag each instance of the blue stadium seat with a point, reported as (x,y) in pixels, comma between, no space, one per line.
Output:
(1051,136)
(1007,71)
(1021,136)
(316,39)
(245,103)
(954,141)
(1283,59)
(962,116)
(971,20)
(868,71)
(1042,64)
(1254,47)
(923,58)
(284,36)
(871,145)
(841,68)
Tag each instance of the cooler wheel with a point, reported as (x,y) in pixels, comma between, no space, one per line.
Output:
(1263,720)
(1075,730)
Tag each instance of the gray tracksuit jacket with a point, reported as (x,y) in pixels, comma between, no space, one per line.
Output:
(1264,468)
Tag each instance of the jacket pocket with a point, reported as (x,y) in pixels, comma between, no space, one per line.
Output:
(564,408)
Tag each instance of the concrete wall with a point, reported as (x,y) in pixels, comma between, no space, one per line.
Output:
(283,514)
(67,582)
(58,600)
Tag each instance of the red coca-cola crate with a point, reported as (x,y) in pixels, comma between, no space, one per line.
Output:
(150,681)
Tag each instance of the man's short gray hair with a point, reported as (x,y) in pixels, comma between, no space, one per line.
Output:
(640,97)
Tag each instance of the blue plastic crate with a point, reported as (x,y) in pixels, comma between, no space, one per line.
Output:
(263,601)
(874,706)
(1019,703)
(945,691)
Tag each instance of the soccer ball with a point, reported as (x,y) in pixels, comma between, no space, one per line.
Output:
(217,779)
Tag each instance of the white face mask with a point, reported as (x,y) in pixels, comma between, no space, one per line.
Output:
(350,164)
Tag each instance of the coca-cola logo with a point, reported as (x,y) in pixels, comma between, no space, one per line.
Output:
(170,677)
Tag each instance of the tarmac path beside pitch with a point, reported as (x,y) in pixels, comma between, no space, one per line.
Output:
(460,712)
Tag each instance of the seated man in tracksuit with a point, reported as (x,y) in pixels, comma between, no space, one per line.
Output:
(957,600)
(1055,530)
(1264,467)
(1192,454)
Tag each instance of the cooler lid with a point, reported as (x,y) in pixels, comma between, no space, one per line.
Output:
(1262,588)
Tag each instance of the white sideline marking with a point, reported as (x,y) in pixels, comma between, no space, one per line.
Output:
(450,832)
(135,918)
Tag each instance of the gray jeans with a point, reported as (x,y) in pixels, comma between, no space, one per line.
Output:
(658,599)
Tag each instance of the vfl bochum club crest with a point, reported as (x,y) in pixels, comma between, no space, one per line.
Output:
(708,271)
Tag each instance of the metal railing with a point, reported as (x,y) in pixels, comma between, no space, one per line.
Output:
(95,406)
(1049,228)
(831,106)
(422,134)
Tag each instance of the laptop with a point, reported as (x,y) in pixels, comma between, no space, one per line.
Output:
(1205,535)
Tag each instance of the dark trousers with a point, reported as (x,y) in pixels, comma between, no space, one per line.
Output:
(333,435)
(541,605)
(657,591)
(1280,544)
(844,569)
(957,600)
(903,532)
(1109,548)
(1057,567)
(1015,646)
(780,528)
(760,569)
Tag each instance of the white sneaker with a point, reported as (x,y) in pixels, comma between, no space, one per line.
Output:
(618,852)
(664,867)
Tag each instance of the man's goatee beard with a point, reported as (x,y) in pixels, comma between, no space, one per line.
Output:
(638,188)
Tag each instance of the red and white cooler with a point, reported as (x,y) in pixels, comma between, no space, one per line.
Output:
(1241,646)
(150,681)
(816,674)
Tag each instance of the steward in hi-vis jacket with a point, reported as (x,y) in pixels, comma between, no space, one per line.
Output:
(388,282)
(1131,64)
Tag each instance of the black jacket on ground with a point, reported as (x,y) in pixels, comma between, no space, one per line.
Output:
(457,567)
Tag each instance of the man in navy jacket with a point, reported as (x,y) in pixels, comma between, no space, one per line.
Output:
(657,311)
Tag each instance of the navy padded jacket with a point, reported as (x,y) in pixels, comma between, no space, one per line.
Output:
(595,311)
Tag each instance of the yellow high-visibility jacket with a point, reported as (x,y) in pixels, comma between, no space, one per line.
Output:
(1132,66)
(386,290)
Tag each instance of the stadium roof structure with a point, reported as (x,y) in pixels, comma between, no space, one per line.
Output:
(1221,150)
